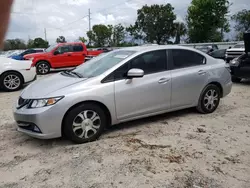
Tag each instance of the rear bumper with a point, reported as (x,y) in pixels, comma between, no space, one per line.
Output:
(227,88)
(29,75)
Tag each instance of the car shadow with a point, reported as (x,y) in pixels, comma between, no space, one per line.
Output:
(62,142)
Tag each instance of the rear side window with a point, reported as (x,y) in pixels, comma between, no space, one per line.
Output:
(77,48)
(186,58)
(151,62)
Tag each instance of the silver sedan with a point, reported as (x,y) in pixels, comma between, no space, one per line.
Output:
(120,86)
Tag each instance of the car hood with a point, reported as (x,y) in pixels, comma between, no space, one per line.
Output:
(36,55)
(44,87)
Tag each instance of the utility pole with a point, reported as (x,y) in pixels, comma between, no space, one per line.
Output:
(45,34)
(89,26)
(89,21)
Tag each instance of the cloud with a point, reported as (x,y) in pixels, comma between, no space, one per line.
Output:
(30,17)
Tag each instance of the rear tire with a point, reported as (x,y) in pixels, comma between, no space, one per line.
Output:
(42,67)
(236,80)
(11,81)
(83,120)
(209,99)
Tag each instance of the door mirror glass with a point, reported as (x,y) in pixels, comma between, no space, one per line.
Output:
(135,73)
(56,52)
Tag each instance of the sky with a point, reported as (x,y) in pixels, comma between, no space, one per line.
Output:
(69,18)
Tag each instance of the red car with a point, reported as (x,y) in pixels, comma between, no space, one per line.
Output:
(59,56)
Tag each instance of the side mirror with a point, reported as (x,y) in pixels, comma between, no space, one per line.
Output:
(135,73)
(56,52)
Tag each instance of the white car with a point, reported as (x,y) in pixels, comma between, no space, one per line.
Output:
(15,73)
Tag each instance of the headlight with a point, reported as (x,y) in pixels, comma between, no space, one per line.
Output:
(38,103)
(234,62)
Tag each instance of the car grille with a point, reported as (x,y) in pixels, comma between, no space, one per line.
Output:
(22,102)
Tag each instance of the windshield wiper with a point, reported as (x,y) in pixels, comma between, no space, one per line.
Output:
(77,74)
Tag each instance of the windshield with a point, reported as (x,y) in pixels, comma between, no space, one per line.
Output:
(49,49)
(102,63)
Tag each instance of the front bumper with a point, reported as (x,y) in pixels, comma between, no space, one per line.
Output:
(48,121)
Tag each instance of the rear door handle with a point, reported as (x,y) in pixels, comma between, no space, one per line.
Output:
(201,72)
(163,80)
(69,55)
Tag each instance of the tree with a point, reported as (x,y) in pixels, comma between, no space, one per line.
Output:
(118,34)
(156,22)
(13,44)
(135,32)
(242,19)
(207,20)
(82,39)
(61,39)
(100,35)
(180,30)
(37,43)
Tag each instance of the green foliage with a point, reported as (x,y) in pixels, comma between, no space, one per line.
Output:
(207,20)
(37,43)
(242,19)
(13,44)
(180,30)
(156,22)
(82,39)
(118,35)
(100,35)
(61,39)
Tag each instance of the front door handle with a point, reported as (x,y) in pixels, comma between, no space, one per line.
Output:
(163,80)
(201,72)
(69,55)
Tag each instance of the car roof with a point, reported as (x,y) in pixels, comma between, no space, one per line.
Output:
(159,47)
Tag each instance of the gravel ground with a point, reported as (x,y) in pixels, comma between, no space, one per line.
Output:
(179,149)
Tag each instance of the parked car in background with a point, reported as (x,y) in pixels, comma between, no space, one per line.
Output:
(218,54)
(120,86)
(20,56)
(14,74)
(235,52)
(207,48)
(10,53)
(59,56)
(240,67)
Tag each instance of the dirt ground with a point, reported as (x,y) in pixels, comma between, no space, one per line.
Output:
(180,149)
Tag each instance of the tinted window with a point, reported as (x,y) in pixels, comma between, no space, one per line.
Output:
(150,62)
(39,50)
(64,49)
(186,58)
(77,48)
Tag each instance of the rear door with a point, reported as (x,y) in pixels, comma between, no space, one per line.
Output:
(64,58)
(244,67)
(189,77)
(78,54)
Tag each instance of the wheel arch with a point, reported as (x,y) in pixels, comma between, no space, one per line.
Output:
(218,85)
(15,71)
(103,106)
(40,60)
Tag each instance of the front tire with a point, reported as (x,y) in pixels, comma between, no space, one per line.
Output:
(209,99)
(11,81)
(42,67)
(85,123)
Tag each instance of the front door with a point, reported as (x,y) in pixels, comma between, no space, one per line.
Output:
(64,58)
(189,77)
(149,94)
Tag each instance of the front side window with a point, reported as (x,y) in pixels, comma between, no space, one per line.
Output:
(186,58)
(150,62)
(64,49)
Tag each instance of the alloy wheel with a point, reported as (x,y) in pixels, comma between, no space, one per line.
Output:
(211,99)
(12,82)
(43,68)
(86,124)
